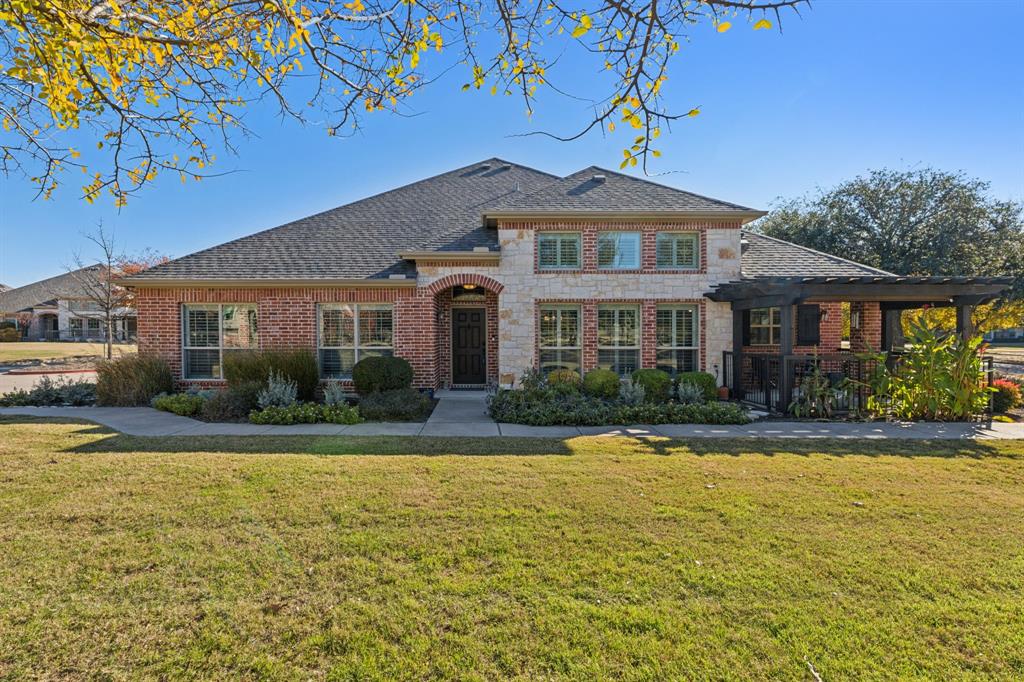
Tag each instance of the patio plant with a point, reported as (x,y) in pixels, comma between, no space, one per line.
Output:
(1006,395)
(816,397)
(657,384)
(381,373)
(132,380)
(601,383)
(940,378)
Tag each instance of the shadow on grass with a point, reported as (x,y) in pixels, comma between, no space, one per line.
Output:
(110,441)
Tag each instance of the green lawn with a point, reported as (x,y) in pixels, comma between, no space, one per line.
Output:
(42,350)
(336,558)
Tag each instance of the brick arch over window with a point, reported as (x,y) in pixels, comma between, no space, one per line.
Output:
(449,281)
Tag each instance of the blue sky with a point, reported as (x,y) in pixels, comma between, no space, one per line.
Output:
(849,87)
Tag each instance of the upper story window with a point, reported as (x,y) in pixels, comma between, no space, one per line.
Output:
(559,250)
(678,250)
(765,324)
(618,338)
(349,333)
(559,338)
(618,250)
(209,331)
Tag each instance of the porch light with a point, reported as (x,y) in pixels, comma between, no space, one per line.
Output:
(469,287)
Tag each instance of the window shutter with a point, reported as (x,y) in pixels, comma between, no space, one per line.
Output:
(808,325)
(746,327)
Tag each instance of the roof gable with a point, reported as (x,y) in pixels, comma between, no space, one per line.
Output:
(597,190)
(67,285)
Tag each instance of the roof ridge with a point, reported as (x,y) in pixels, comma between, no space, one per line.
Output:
(661,184)
(820,253)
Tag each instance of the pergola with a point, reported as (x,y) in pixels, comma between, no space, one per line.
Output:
(892,293)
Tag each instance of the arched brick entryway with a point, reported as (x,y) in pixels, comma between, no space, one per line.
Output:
(467,330)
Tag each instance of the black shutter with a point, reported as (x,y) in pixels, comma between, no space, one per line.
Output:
(746,327)
(808,326)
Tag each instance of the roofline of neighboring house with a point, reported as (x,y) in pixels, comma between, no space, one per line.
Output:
(725,215)
(160,283)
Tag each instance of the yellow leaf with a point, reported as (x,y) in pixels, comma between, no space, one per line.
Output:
(724,26)
(693,112)
(764,23)
(611,126)
(623,164)
(585,23)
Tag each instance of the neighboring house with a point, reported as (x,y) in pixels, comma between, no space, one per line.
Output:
(479,274)
(1012,334)
(59,309)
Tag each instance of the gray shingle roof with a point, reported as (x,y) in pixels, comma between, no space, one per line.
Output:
(766,256)
(362,239)
(616,192)
(68,285)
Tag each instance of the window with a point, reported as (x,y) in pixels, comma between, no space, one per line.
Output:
(678,250)
(559,338)
(618,338)
(349,333)
(558,250)
(618,250)
(93,327)
(678,342)
(210,330)
(764,326)
(75,327)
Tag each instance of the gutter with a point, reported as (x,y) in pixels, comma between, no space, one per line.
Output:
(158,283)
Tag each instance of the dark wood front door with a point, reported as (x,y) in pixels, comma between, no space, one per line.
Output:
(469,346)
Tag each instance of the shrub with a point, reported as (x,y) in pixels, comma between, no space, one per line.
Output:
(48,392)
(8,324)
(132,380)
(381,373)
(705,381)
(9,335)
(403,404)
(676,413)
(532,379)
(298,365)
(184,404)
(233,403)
(690,394)
(335,394)
(566,378)
(601,383)
(657,384)
(631,392)
(280,392)
(305,413)
(1007,395)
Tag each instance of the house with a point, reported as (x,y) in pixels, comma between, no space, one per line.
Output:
(61,309)
(481,273)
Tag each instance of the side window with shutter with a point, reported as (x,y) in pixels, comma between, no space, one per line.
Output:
(808,325)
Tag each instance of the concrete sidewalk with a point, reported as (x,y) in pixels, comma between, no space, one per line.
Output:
(458,419)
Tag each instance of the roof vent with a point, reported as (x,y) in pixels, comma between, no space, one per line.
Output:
(597,178)
(481,249)
(506,166)
(396,276)
(485,166)
(744,245)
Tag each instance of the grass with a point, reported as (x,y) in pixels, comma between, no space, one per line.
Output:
(43,350)
(588,558)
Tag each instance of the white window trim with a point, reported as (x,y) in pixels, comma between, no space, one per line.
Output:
(220,337)
(675,321)
(577,236)
(355,347)
(696,250)
(639,250)
(618,330)
(558,309)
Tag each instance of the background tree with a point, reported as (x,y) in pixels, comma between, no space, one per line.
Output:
(916,222)
(156,85)
(97,280)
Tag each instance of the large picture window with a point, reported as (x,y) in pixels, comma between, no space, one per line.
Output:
(558,250)
(210,330)
(678,250)
(678,338)
(618,250)
(349,333)
(559,338)
(765,324)
(618,338)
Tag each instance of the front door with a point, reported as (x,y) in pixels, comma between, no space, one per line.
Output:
(469,346)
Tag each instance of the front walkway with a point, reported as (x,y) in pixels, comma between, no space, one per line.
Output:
(458,417)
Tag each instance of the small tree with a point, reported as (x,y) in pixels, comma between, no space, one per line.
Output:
(96,280)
